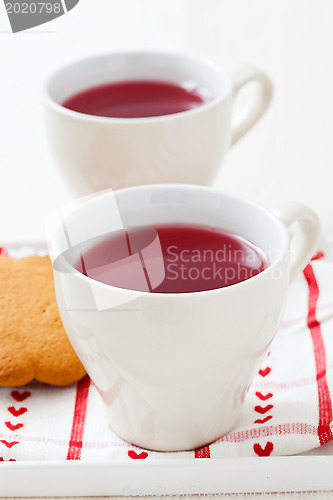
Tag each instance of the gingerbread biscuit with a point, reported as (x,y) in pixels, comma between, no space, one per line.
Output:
(33,342)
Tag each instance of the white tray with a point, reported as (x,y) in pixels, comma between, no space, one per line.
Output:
(181,477)
(311,471)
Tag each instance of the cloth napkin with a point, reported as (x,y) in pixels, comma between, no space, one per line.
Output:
(287,410)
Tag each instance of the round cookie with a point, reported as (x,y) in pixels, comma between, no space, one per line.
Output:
(33,342)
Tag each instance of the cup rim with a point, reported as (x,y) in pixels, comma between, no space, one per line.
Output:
(51,102)
(137,293)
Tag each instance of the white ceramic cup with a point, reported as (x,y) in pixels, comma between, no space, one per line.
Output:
(96,153)
(173,369)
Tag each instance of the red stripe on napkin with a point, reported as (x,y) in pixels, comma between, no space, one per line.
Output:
(269,430)
(80,410)
(324,398)
(319,255)
(203,452)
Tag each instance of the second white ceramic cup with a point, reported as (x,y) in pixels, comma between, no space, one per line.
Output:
(95,153)
(173,369)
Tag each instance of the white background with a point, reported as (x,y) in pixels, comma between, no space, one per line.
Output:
(289,154)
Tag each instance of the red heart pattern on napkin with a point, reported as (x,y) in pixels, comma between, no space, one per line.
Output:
(71,422)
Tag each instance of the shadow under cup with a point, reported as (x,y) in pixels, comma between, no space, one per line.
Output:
(172,369)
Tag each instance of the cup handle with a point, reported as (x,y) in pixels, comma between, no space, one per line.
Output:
(242,77)
(304,235)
